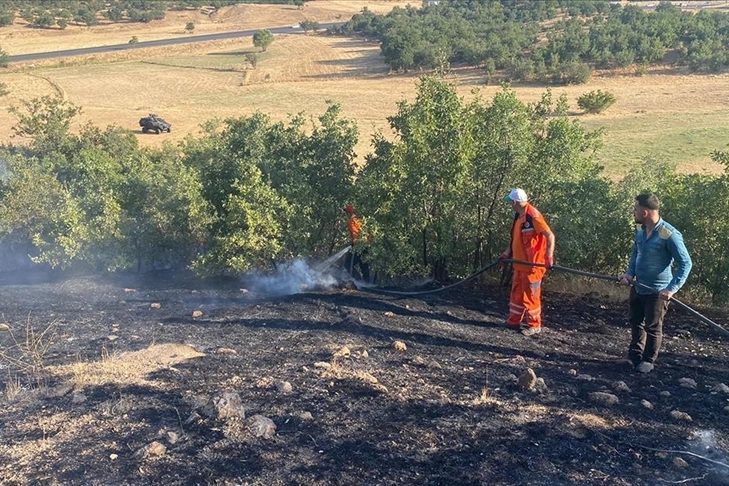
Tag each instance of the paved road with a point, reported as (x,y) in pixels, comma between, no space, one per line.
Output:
(156,43)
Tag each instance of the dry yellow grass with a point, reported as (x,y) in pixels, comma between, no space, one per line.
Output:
(21,39)
(126,368)
(665,116)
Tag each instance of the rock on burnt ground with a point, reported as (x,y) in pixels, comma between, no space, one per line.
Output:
(118,380)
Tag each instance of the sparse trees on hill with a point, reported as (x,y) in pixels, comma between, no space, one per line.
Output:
(7,16)
(309,25)
(262,39)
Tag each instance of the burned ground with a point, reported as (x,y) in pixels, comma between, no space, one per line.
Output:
(128,366)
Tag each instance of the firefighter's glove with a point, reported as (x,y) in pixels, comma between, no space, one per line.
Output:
(549,262)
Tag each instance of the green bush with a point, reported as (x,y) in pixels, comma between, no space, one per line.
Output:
(596,101)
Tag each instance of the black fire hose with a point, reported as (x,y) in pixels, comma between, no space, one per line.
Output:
(613,278)
(439,289)
(610,278)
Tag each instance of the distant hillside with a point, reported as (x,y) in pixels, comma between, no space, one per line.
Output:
(48,14)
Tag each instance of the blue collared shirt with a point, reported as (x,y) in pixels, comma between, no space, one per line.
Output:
(653,256)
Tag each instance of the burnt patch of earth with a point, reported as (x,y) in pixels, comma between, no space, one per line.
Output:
(170,380)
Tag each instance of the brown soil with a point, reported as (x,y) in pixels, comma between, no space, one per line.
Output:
(447,410)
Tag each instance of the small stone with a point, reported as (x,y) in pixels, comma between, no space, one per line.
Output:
(130,290)
(528,380)
(224,405)
(153,449)
(621,386)
(306,416)
(680,463)
(572,372)
(113,457)
(665,393)
(223,350)
(418,361)
(435,365)
(678,415)
(262,426)
(687,382)
(172,437)
(283,387)
(584,377)
(112,337)
(78,398)
(721,388)
(4,327)
(365,354)
(726,409)
(604,398)
(155,305)
(196,314)
(399,346)
(322,364)
(647,404)
(389,314)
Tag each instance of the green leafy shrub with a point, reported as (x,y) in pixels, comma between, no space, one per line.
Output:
(596,101)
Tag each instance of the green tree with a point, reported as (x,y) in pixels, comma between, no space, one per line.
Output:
(415,188)
(44,20)
(596,101)
(190,27)
(4,58)
(7,17)
(309,25)
(38,209)
(164,218)
(262,39)
(46,120)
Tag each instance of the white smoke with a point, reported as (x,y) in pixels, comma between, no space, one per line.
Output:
(292,278)
(703,443)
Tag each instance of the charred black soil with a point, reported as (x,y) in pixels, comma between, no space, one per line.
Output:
(129,387)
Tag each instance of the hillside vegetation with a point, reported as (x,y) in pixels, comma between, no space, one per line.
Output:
(555,41)
(251,192)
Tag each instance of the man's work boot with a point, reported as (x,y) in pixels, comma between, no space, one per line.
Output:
(644,367)
(531,331)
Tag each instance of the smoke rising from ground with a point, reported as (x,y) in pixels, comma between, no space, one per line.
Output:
(292,278)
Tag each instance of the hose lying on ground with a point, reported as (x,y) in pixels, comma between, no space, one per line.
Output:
(610,278)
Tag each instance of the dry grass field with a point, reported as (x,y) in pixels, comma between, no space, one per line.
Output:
(672,116)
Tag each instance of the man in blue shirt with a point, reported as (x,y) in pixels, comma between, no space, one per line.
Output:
(656,247)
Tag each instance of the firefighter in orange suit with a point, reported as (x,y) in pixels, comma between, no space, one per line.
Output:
(354,259)
(533,241)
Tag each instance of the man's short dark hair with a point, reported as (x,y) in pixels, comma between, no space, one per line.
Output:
(648,201)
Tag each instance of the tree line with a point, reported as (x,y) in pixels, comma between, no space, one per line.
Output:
(61,13)
(513,37)
(249,193)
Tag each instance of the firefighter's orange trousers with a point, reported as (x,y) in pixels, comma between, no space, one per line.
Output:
(526,299)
